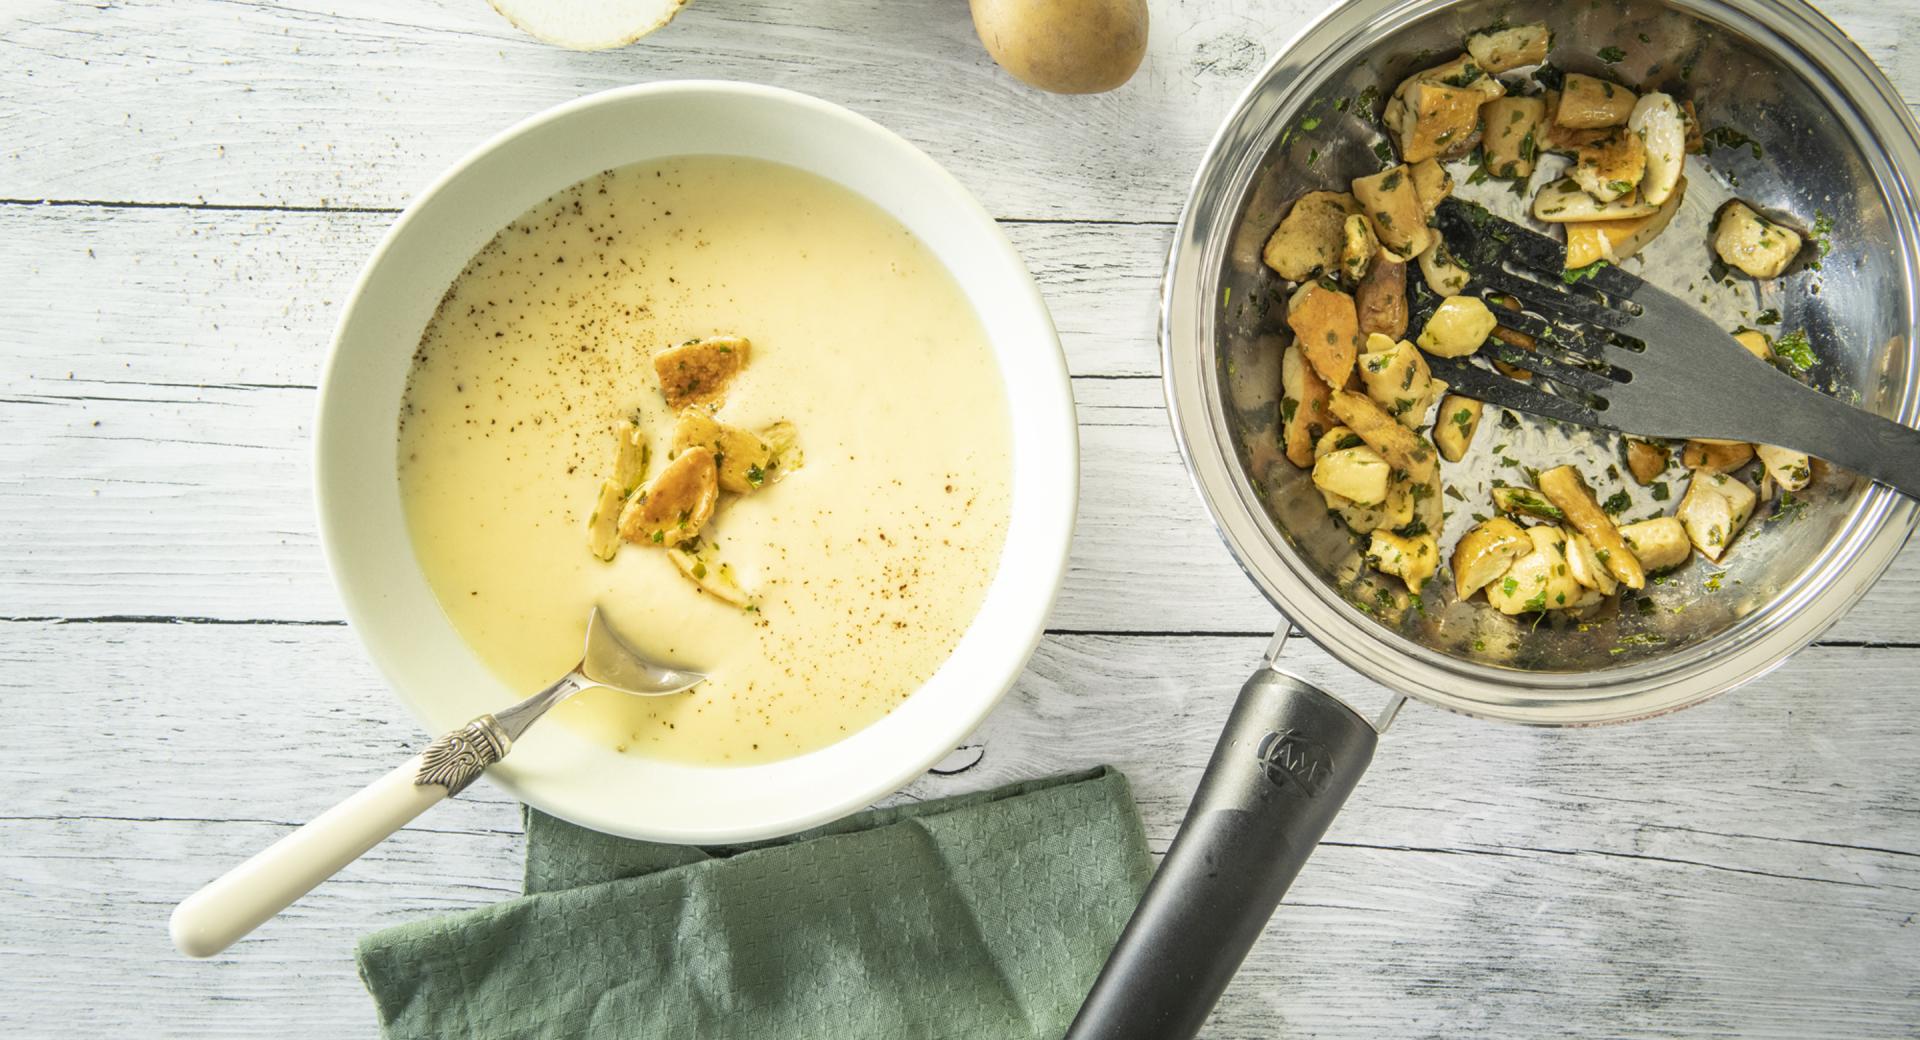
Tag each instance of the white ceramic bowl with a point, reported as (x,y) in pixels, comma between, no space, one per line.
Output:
(395,612)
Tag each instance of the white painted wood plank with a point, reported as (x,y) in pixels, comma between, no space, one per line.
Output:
(1747,868)
(236,296)
(170,474)
(361,102)
(195,501)
(181,500)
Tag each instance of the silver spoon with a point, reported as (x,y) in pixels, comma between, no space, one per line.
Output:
(244,898)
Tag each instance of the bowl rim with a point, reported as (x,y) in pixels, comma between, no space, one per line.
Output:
(1854,558)
(1041,512)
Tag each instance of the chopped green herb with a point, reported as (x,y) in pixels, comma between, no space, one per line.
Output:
(1770,316)
(1661,492)
(1794,349)
(1789,509)
(1616,503)
(1728,137)
(1577,273)
(1310,123)
(1612,55)
(1822,232)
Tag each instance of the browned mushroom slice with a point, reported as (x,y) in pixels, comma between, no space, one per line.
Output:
(633,456)
(1658,543)
(1565,487)
(1554,137)
(743,457)
(1587,103)
(1713,510)
(1485,552)
(1511,140)
(1453,429)
(1512,338)
(1310,238)
(1498,50)
(1612,166)
(677,504)
(1716,456)
(1303,407)
(1696,142)
(1389,199)
(1403,449)
(1743,238)
(603,524)
(1327,328)
(1382,297)
(1616,240)
(698,371)
(1439,121)
(702,566)
(1431,185)
(784,439)
(1645,460)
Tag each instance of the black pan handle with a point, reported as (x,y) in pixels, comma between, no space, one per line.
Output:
(1288,759)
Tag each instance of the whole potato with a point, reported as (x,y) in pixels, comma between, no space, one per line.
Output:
(1065,46)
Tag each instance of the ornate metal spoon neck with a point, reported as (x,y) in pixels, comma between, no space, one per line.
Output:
(515,720)
(458,758)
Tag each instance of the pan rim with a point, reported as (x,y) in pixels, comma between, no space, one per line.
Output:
(1851,562)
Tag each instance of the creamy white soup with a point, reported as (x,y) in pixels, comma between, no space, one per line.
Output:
(859,567)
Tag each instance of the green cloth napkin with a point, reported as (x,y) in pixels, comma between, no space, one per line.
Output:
(984,916)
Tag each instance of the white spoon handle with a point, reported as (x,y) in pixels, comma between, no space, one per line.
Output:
(244,898)
(213,918)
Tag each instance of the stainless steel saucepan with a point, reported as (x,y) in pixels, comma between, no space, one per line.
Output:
(1811,128)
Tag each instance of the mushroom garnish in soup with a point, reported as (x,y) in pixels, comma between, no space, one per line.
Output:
(739,406)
